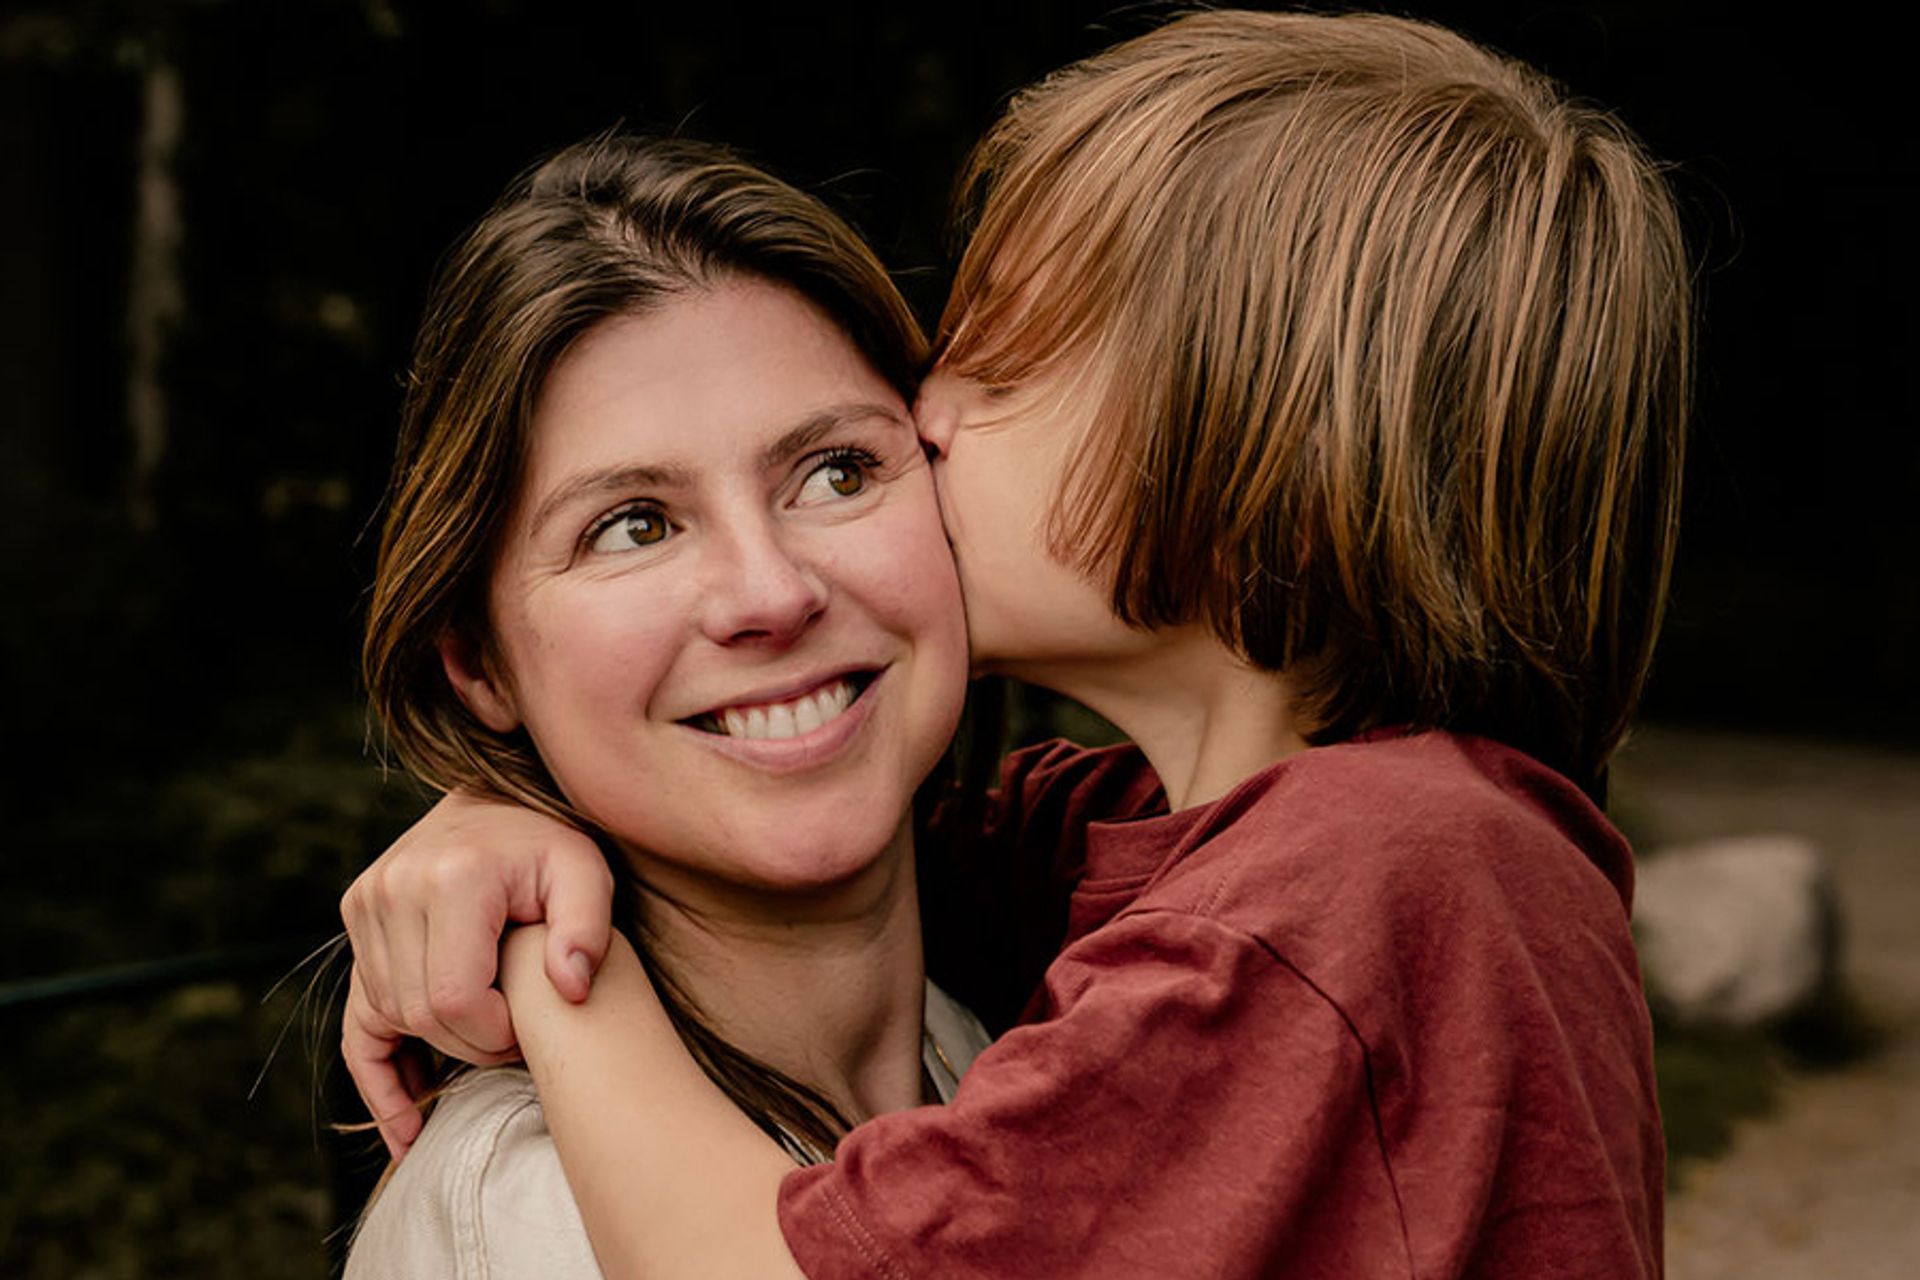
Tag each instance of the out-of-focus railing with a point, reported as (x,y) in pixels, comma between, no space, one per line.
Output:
(113,980)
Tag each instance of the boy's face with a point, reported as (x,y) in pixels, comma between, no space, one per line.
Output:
(998,463)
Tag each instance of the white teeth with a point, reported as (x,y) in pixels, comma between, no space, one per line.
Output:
(806,715)
(835,700)
(788,719)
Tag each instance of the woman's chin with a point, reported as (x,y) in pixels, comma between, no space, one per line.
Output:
(779,867)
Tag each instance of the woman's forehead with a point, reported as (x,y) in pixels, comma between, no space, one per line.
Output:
(729,370)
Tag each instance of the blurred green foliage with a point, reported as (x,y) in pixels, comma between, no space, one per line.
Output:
(185,1130)
(1710,1080)
(134,1149)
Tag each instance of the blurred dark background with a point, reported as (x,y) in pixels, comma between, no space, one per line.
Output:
(217,227)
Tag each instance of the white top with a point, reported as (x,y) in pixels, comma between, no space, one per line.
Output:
(481,1196)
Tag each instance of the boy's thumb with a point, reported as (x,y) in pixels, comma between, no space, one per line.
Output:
(579,913)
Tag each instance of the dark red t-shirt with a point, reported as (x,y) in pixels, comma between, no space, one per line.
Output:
(1375,1012)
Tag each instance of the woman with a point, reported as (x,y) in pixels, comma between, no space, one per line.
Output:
(659,512)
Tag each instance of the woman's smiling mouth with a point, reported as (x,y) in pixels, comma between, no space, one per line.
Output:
(787,717)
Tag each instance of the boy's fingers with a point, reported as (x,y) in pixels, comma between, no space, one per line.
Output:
(579,899)
(368,1045)
(431,988)
(367,935)
(469,1017)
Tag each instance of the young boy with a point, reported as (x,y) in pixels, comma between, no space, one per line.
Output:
(1310,405)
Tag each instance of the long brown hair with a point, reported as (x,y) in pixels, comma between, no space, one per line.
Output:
(613,226)
(1386,347)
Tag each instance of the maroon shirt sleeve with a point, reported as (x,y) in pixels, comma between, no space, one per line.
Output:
(1190,1103)
(1048,793)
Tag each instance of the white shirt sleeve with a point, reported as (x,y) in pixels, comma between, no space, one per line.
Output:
(481,1196)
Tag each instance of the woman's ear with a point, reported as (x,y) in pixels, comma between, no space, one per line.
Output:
(471,674)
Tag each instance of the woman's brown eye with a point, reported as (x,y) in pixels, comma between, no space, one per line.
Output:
(644,528)
(634,527)
(833,479)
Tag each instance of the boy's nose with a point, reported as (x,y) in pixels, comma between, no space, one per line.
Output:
(936,414)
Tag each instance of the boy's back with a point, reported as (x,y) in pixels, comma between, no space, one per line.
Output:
(1375,1012)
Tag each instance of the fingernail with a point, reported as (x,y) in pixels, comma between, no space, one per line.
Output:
(582,967)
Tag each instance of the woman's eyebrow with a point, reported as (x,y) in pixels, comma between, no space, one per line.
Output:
(808,432)
(608,480)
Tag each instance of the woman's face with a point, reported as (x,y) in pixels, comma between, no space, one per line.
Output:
(724,609)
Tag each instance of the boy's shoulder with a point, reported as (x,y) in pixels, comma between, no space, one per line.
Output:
(1425,853)
(1414,813)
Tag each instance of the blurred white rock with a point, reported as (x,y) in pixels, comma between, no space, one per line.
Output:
(1738,931)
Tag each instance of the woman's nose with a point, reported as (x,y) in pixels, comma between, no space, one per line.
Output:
(761,591)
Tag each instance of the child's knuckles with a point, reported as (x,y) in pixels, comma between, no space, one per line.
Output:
(454,871)
(450,1002)
(415,1014)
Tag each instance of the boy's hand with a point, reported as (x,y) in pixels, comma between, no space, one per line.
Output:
(426,920)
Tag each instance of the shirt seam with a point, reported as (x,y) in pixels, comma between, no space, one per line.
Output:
(1204,913)
(488,1137)
(878,1260)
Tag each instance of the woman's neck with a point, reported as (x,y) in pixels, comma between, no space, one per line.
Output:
(827,987)
(1202,716)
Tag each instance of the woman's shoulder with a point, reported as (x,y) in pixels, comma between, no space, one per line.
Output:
(481,1193)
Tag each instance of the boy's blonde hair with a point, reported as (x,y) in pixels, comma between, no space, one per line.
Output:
(1384,349)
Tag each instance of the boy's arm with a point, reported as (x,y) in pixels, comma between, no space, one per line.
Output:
(671,1179)
(1194,1108)
(1186,1105)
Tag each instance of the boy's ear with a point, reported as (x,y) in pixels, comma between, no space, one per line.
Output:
(485,693)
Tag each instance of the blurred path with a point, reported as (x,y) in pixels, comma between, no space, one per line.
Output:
(1829,1184)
